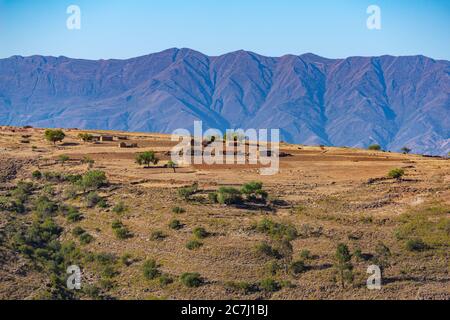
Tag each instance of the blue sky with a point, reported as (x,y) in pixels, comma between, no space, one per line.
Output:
(123,29)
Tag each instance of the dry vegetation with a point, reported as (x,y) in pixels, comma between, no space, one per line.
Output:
(159,233)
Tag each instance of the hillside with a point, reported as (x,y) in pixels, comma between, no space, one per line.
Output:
(53,215)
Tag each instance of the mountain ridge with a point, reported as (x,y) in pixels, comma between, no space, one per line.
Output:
(356,101)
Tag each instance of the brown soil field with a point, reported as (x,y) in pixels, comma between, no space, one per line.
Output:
(328,195)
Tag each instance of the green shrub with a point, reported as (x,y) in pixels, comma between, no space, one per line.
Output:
(92,199)
(193,244)
(150,269)
(85,238)
(272,267)
(298,266)
(45,207)
(191,279)
(416,245)
(200,232)
(264,248)
(343,263)
(117,224)
(254,192)
(178,210)
(93,180)
(120,230)
(175,224)
(396,173)
(122,233)
(375,147)
(77,231)
(277,230)
(36,175)
(305,254)
(187,192)
(74,216)
(212,197)
(126,259)
(164,280)
(119,208)
(269,285)
(157,235)
(229,195)
(63,158)
(242,286)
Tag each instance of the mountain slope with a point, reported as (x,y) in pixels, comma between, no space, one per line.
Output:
(393,101)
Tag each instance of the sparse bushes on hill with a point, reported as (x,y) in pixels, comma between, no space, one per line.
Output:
(425,227)
(277,230)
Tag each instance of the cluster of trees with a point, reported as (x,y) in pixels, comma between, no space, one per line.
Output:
(251,192)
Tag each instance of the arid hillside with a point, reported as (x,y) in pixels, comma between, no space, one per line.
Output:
(213,232)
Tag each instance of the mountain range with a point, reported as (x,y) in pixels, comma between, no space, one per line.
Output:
(355,102)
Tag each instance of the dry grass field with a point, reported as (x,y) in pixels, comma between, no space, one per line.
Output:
(284,248)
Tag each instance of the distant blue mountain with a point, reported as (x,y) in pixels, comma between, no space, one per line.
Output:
(358,101)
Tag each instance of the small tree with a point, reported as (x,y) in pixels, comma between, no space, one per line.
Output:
(172,165)
(375,147)
(54,135)
(406,150)
(396,173)
(343,263)
(146,158)
(85,137)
